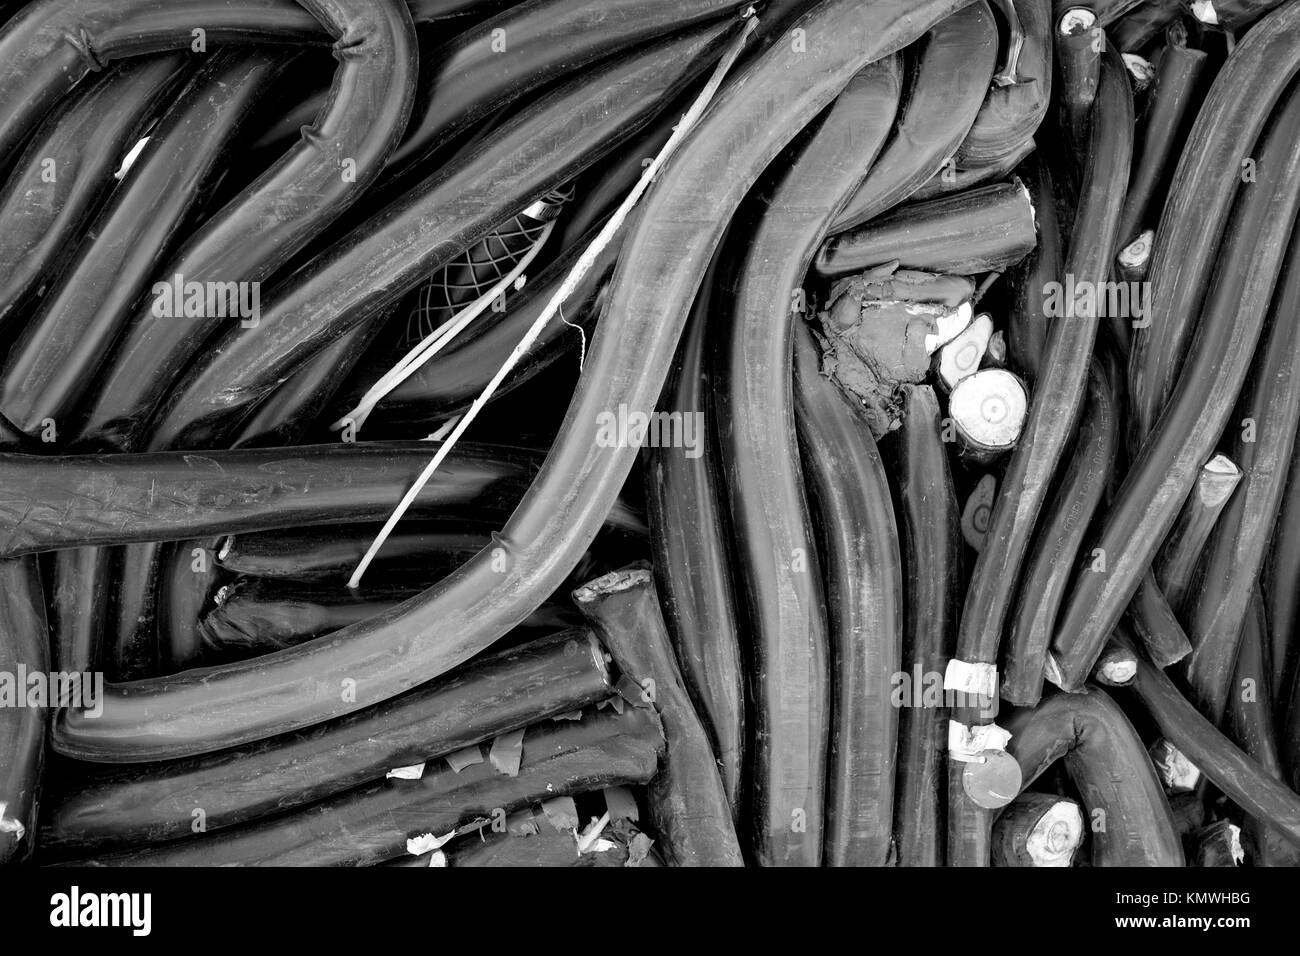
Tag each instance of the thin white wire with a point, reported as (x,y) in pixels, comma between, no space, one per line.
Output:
(580,269)
(437,340)
(441,432)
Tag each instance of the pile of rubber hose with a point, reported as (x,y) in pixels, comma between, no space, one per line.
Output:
(564,433)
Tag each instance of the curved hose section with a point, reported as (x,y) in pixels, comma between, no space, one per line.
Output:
(52,45)
(686,506)
(1056,546)
(777,558)
(375,264)
(1108,763)
(1062,377)
(54,190)
(931,543)
(258,230)
(864,597)
(54,362)
(1012,113)
(521,49)
(951,69)
(1163,474)
(668,248)
(1196,211)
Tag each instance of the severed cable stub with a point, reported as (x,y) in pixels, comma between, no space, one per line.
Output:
(962,356)
(1140,70)
(1076,20)
(1203,10)
(994,782)
(978,512)
(1134,259)
(990,776)
(1176,772)
(1117,667)
(988,410)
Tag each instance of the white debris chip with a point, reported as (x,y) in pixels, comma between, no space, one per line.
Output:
(1176,772)
(948,325)
(1052,670)
(413,772)
(621,804)
(589,840)
(1234,843)
(10,825)
(1056,835)
(507,752)
(1119,672)
(978,679)
(961,357)
(967,743)
(561,812)
(461,759)
(425,842)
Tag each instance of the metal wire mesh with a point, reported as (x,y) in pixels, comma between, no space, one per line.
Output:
(480,267)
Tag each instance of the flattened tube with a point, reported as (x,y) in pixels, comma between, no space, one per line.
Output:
(932,587)
(670,242)
(687,802)
(24,648)
(348,284)
(981,230)
(1108,763)
(864,594)
(48,503)
(152,803)
(370,824)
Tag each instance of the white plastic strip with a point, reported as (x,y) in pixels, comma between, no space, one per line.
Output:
(575,276)
(422,844)
(965,743)
(1204,11)
(588,839)
(1177,774)
(442,430)
(439,338)
(1234,844)
(1052,670)
(414,772)
(978,679)
(9,824)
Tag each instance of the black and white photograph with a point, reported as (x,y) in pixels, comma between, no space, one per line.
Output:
(648,434)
